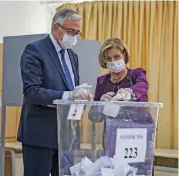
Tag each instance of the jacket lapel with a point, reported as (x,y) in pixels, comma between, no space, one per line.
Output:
(55,59)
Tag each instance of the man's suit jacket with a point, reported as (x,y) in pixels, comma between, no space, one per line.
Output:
(43,81)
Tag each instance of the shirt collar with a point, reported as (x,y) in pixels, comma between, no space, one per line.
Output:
(56,45)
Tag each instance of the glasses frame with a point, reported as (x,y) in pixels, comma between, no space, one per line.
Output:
(77,33)
(113,58)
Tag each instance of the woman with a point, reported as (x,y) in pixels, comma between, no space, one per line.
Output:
(121,83)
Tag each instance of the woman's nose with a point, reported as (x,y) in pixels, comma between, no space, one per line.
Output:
(113,59)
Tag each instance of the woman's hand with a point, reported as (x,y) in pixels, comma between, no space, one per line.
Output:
(108,96)
(124,94)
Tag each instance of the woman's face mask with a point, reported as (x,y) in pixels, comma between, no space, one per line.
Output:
(116,66)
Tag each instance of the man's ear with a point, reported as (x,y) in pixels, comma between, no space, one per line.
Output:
(55,28)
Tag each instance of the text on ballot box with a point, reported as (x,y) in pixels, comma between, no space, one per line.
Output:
(131,144)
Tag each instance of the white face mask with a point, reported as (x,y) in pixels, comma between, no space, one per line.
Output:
(116,66)
(68,41)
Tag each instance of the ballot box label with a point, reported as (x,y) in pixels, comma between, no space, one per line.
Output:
(131,145)
(75,112)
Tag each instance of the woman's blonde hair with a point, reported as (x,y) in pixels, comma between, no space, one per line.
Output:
(112,43)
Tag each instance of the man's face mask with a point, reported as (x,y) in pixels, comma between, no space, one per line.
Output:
(68,41)
(116,66)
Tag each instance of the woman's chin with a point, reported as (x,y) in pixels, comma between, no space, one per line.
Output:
(115,73)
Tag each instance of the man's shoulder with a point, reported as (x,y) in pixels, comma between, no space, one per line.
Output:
(35,48)
(40,42)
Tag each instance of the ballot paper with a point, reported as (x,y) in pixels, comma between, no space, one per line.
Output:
(111,110)
(75,170)
(85,85)
(107,172)
(125,170)
(103,166)
(95,168)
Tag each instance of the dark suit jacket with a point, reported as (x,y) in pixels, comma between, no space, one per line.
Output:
(43,81)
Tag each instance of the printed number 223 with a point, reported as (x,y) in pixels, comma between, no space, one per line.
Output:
(131,152)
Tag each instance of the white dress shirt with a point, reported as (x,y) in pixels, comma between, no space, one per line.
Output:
(68,62)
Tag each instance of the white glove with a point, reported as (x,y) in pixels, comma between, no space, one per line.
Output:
(124,94)
(107,97)
(133,97)
(85,85)
(126,90)
(80,94)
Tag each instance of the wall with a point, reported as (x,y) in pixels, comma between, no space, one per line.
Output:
(23,17)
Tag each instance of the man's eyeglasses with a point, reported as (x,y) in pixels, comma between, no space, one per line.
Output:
(71,32)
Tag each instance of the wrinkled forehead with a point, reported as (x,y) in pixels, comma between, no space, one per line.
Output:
(72,24)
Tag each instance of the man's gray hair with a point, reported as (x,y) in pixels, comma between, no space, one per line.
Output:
(63,15)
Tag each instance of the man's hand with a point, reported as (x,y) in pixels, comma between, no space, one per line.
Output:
(107,97)
(80,94)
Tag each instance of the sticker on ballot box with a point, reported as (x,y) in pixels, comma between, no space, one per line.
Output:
(131,145)
(75,112)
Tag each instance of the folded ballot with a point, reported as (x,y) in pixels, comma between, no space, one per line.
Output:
(85,85)
(125,170)
(76,169)
(87,168)
(103,166)
(95,168)
(107,172)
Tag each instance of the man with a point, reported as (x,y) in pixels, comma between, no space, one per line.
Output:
(49,70)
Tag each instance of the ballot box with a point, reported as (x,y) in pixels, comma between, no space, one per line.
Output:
(115,138)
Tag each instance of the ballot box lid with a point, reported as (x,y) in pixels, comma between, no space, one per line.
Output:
(102,103)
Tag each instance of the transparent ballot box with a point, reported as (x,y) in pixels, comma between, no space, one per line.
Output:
(106,138)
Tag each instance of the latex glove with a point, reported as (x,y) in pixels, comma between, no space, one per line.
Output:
(122,94)
(107,97)
(85,85)
(127,90)
(80,94)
